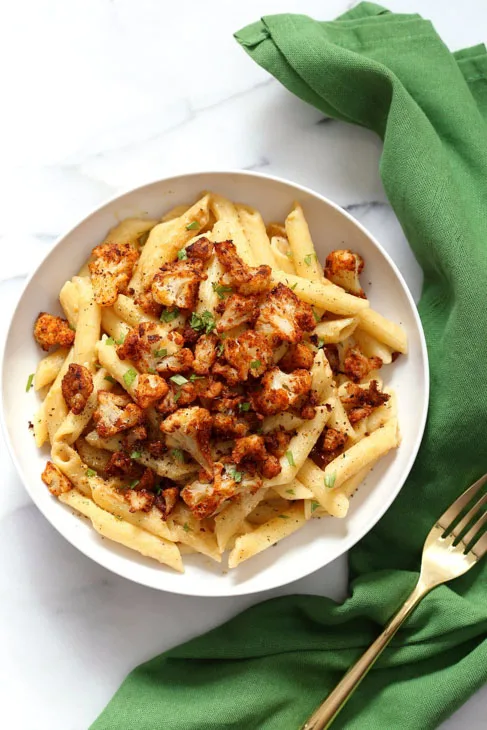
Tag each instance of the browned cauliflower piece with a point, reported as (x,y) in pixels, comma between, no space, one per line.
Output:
(357,366)
(206,496)
(149,389)
(205,354)
(207,389)
(333,439)
(55,480)
(201,249)
(177,396)
(251,451)
(166,500)
(238,310)
(151,349)
(140,500)
(276,442)
(111,271)
(343,268)
(297,356)
(283,316)
(278,391)
(51,331)
(176,284)
(227,372)
(120,464)
(245,279)
(133,438)
(362,401)
(189,429)
(115,413)
(148,304)
(76,387)
(249,354)
(230,426)
(328,447)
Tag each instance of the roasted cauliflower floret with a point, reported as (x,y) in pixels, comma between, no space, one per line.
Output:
(238,310)
(151,349)
(55,480)
(278,391)
(77,386)
(115,413)
(283,316)
(166,500)
(140,500)
(245,279)
(189,429)
(276,442)
(149,388)
(230,426)
(111,271)
(357,366)
(177,396)
(120,464)
(133,438)
(251,451)
(297,356)
(343,268)
(249,354)
(227,372)
(51,331)
(362,401)
(205,354)
(176,284)
(205,497)
(333,439)
(148,304)
(201,249)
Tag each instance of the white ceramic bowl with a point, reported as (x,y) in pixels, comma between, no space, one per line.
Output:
(320,541)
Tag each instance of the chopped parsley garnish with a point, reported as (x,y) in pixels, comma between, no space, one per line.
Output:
(109,341)
(290,458)
(284,517)
(182,254)
(255,364)
(204,322)
(244,406)
(97,366)
(290,491)
(110,379)
(193,226)
(177,396)
(178,379)
(294,286)
(136,454)
(219,348)
(152,371)
(178,455)
(121,340)
(72,327)
(314,506)
(321,343)
(221,289)
(236,475)
(194,377)
(186,527)
(161,353)
(307,259)
(30,380)
(330,480)
(289,254)
(129,377)
(316,316)
(169,315)
(90,473)
(134,483)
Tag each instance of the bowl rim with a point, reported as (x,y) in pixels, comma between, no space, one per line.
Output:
(349,541)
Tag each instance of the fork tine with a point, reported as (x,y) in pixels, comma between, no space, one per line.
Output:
(453,511)
(480,547)
(458,529)
(472,534)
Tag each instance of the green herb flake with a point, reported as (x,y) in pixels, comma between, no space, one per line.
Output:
(178,379)
(284,517)
(134,483)
(186,527)
(152,371)
(136,454)
(244,406)
(321,343)
(182,254)
(294,286)
(121,340)
(72,327)
(221,290)
(90,473)
(219,348)
(110,379)
(129,377)
(194,377)
(30,381)
(193,226)
(204,322)
(236,475)
(169,315)
(255,364)
(290,458)
(289,254)
(178,455)
(314,506)
(291,491)
(307,259)
(161,353)
(316,316)
(330,480)
(97,366)
(177,396)
(109,341)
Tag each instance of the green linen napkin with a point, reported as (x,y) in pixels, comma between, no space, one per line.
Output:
(270,666)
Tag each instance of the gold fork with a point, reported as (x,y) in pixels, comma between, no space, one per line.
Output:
(449,551)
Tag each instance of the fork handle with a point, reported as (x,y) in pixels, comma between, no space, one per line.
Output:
(324,715)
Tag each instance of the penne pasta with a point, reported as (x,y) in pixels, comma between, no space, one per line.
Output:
(305,259)
(328,297)
(384,330)
(49,367)
(254,229)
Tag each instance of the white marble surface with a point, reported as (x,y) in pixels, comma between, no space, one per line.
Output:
(102,95)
